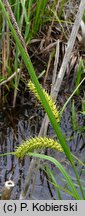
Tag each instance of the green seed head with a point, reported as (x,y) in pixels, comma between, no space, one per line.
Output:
(49,100)
(37,143)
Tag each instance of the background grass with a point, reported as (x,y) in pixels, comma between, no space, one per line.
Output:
(31,24)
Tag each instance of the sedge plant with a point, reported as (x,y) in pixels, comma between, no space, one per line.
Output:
(48,110)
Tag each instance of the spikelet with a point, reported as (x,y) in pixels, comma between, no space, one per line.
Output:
(49,99)
(37,143)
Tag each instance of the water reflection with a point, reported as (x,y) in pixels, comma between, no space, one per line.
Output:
(24,122)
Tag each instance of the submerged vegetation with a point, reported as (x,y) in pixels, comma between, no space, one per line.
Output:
(34,36)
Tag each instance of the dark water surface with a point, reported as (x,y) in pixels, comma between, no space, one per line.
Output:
(21,123)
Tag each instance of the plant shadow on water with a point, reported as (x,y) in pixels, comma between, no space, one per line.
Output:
(22,123)
(16,125)
(76,142)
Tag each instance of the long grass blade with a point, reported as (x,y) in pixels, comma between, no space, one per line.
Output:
(45,104)
(62,170)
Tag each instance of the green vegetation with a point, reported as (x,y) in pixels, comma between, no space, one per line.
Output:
(30,16)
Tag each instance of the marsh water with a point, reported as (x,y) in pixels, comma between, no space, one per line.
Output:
(23,122)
